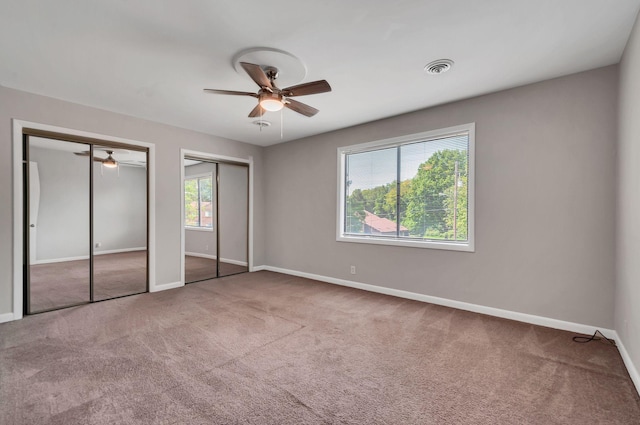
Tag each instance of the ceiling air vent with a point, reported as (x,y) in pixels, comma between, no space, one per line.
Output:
(261,123)
(438,66)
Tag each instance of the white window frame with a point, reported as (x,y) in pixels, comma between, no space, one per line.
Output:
(468,246)
(200,228)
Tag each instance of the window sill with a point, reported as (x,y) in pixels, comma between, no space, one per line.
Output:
(444,245)
(199,229)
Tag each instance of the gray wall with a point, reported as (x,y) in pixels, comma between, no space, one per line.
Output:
(545,203)
(119,208)
(168,141)
(63,217)
(627,304)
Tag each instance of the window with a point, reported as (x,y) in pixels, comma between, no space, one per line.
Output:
(198,205)
(415,190)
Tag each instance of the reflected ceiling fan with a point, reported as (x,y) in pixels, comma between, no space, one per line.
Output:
(108,162)
(272,98)
(125,157)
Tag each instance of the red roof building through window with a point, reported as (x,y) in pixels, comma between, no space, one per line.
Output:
(374,225)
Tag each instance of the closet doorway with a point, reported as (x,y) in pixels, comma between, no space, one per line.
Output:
(85,220)
(215,218)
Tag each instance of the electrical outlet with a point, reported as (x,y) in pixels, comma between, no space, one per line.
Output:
(206,247)
(98,244)
(353,269)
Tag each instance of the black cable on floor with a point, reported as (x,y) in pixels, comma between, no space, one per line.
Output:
(585,339)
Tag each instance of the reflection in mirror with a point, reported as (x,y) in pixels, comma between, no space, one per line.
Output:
(234,218)
(119,222)
(200,221)
(58,218)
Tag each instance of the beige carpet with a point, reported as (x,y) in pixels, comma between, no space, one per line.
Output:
(267,348)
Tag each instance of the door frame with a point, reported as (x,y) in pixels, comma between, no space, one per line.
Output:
(33,168)
(18,202)
(220,159)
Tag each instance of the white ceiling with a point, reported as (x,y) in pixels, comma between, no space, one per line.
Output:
(152,58)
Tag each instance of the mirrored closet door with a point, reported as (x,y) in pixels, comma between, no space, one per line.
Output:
(85,221)
(59,247)
(119,223)
(234,218)
(200,228)
(216,219)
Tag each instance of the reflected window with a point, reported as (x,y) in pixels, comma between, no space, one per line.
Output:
(198,202)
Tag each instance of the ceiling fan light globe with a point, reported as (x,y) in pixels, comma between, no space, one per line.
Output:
(271,104)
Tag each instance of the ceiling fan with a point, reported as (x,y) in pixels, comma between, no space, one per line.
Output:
(272,98)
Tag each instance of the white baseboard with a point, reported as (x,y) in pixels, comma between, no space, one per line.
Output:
(236,262)
(6,317)
(258,268)
(117,251)
(200,255)
(165,286)
(61,260)
(213,257)
(461,305)
(626,358)
(86,257)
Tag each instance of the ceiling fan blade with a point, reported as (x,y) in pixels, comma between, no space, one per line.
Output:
(320,86)
(257,74)
(301,108)
(235,93)
(86,153)
(258,111)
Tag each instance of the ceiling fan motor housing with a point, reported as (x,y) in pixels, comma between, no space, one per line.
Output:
(271,72)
